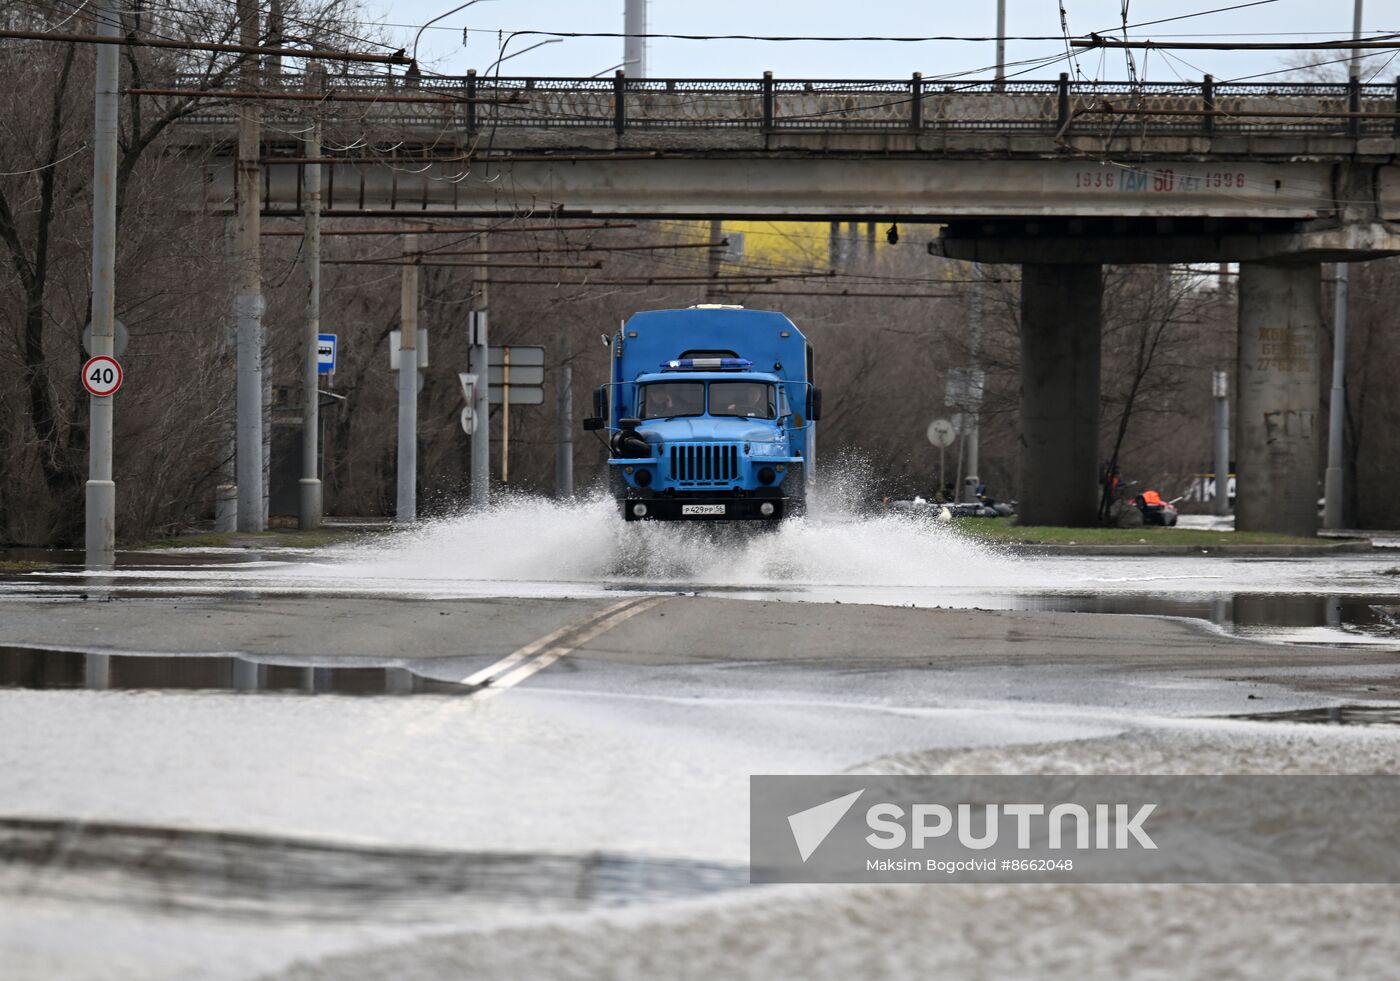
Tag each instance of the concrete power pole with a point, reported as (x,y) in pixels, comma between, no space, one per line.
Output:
(970,415)
(1221,389)
(634,50)
(481,403)
(971,423)
(564,454)
(310,484)
(248,304)
(1001,45)
(1333,515)
(101,490)
(226,493)
(714,262)
(407,511)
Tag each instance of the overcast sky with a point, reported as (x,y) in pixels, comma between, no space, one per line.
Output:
(490,22)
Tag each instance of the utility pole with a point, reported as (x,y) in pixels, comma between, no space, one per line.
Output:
(101,489)
(715,259)
(505,414)
(272,77)
(1356,36)
(634,48)
(226,493)
(968,491)
(408,385)
(1332,516)
(1333,485)
(971,444)
(1221,390)
(274,40)
(481,407)
(248,304)
(564,453)
(310,484)
(1001,45)
(970,411)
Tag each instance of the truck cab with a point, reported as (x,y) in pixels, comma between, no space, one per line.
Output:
(709,416)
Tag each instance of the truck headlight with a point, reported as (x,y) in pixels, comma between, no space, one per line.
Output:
(766,509)
(766,475)
(642,478)
(639,509)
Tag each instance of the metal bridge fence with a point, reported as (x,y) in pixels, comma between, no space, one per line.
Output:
(918,105)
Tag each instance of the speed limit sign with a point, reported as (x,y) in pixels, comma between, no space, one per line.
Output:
(102,376)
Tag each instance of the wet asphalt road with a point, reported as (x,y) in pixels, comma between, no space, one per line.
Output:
(599,738)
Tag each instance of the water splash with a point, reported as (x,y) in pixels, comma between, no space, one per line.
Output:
(525,539)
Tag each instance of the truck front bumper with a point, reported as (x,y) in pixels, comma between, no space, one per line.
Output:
(708,508)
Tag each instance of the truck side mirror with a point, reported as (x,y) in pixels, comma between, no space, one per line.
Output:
(592,424)
(814,404)
(600,402)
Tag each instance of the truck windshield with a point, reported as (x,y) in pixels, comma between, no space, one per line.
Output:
(750,400)
(666,400)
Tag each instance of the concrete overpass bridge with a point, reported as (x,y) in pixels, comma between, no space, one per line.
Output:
(1059,178)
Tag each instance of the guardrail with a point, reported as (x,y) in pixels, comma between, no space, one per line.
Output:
(917,105)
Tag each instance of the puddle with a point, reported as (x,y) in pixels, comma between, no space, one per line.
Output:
(1337,715)
(24,559)
(22,667)
(271,876)
(1358,619)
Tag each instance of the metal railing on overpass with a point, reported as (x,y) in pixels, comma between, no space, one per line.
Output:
(914,105)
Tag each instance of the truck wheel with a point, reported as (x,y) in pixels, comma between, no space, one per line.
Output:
(795,489)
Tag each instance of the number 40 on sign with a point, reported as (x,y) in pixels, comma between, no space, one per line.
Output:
(102,376)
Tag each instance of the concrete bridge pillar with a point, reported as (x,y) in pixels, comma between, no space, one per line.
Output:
(1280,323)
(1061,306)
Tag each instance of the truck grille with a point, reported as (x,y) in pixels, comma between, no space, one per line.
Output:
(705,463)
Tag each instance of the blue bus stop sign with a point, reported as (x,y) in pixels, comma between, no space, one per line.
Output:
(325,354)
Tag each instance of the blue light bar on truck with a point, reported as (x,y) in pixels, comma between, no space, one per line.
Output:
(707,364)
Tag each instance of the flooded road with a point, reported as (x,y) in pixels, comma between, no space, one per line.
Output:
(537,726)
(533,548)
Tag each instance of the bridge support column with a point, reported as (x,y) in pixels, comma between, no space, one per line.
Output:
(1060,334)
(1280,323)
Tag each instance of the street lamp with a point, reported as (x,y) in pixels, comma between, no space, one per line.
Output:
(496,64)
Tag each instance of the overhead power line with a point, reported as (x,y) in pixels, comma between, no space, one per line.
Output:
(414,259)
(1199,13)
(448,230)
(587,247)
(895,38)
(397,58)
(330,95)
(673,280)
(838,294)
(1385,41)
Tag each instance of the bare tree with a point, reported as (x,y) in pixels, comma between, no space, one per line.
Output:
(170,274)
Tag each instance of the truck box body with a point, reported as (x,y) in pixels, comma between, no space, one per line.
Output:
(709,414)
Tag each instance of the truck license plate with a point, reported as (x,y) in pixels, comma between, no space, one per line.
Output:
(702,509)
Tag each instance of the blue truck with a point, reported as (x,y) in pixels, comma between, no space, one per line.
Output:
(709,415)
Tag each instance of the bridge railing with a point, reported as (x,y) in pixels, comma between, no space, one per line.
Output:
(1055,107)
